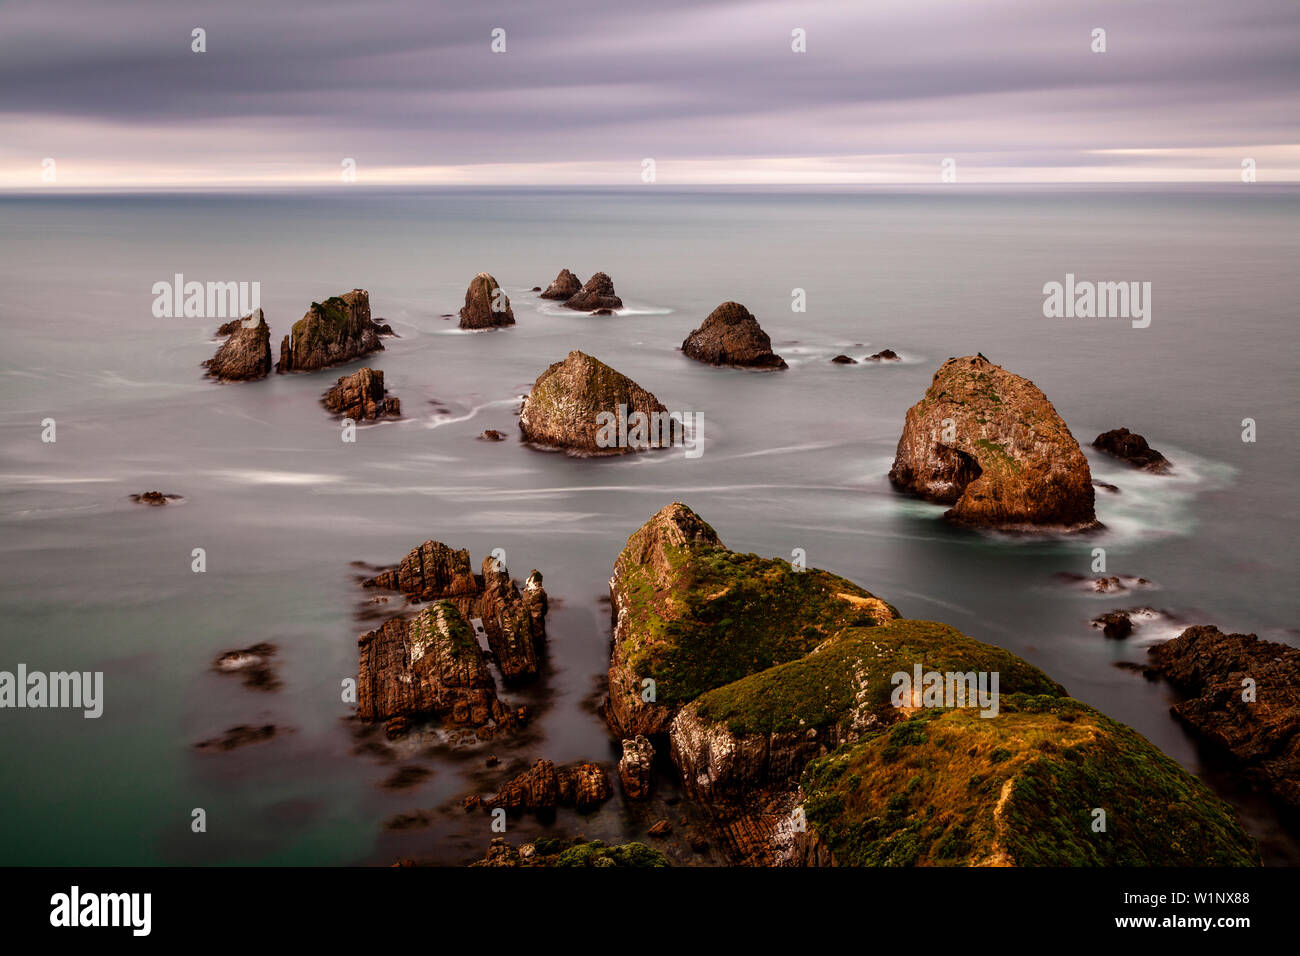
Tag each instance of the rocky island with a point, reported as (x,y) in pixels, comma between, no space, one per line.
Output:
(598,293)
(361,396)
(564,287)
(731,336)
(1132,448)
(332,332)
(246,355)
(486,305)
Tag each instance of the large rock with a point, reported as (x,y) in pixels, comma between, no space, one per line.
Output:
(332,332)
(636,767)
(486,305)
(564,407)
(246,355)
(990,444)
(690,615)
(1262,733)
(565,286)
(544,787)
(1133,448)
(731,336)
(429,665)
(513,621)
(598,293)
(361,396)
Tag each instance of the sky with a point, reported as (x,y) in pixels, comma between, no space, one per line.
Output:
(111,94)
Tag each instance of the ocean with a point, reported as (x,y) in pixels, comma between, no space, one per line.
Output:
(790,460)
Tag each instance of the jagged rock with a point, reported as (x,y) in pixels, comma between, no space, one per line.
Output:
(731,336)
(229,327)
(1115,624)
(154,498)
(636,767)
(990,444)
(1261,734)
(843,360)
(246,355)
(383,328)
(1133,448)
(332,332)
(690,615)
(884,355)
(544,787)
(565,286)
(361,396)
(429,665)
(513,622)
(598,293)
(486,305)
(661,829)
(564,407)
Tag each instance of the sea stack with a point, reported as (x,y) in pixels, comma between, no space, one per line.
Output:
(731,336)
(571,401)
(565,286)
(332,332)
(486,305)
(361,396)
(598,293)
(989,443)
(1133,448)
(246,355)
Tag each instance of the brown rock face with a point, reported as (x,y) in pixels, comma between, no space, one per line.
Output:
(731,336)
(565,286)
(636,767)
(544,787)
(884,355)
(564,408)
(1263,733)
(598,293)
(246,355)
(332,332)
(1133,448)
(360,396)
(514,622)
(429,665)
(989,443)
(486,305)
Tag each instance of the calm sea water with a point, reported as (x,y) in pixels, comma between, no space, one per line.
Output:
(798,459)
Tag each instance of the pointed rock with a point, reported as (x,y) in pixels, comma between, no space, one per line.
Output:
(565,286)
(731,336)
(598,293)
(246,355)
(332,332)
(486,305)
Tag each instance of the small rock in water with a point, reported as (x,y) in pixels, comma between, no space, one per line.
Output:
(1115,624)
(884,355)
(154,498)
(844,360)
(240,736)
(253,663)
(1133,448)
(492,434)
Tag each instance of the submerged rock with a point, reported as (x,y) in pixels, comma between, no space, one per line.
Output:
(246,355)
(332,332)
(491,434)
(254,664)
(564,408)
(154,498)
(731,336)
(544,787)
(361,396)
(1115,624)
(843,360)
(1243,699)
(486,305)
(565,286)
(990,444)
(1133,448)
(240,736)
(598,293)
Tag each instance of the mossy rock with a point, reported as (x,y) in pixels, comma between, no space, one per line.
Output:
(596,853)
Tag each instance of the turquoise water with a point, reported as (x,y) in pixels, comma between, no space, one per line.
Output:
(792,460)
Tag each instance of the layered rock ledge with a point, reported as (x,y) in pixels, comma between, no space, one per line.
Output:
(332,332)
(732,336)
(361,396)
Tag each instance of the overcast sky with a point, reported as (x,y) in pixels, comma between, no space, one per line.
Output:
(587,89)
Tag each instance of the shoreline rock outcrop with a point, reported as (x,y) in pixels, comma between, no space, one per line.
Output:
(636,767)
(990,444)
(332,332)
(565,286)
(246,355)
(579,852)
(598,293)
(361,396)
(732,336)
(564,407)
(486,305)
(1132,448)
(543,788)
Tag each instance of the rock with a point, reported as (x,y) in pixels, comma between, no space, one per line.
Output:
(240,736)
(396,727)
(1115,624)
(514,622)
(254,664)
(884,355)
(360,396)
(383,328)
(535,288)
(1262,734)
(492,434)
(543,788)
(154,498)
(1133,448)
(565,286)
(1004,460)
(332,332)
(429,665)
(486,305)
(492,760)
(603,312)
(598,293)
(579,852)
(564,407)
(689,616)
(661,829)
(698,842)
(1106,486)
(731,336)
(843,360)
(636,767)
(246,355)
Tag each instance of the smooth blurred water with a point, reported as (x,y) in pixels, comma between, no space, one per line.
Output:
(795,459)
